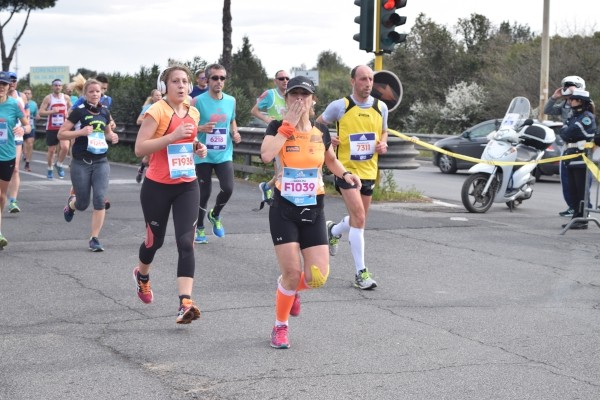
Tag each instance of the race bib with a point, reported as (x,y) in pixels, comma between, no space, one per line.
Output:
(299,185)
(217,139)
(181,160)
(58,120)
(97,143)
(3,133)
(362,146)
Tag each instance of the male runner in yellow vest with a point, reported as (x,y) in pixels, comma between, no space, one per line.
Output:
(361,122)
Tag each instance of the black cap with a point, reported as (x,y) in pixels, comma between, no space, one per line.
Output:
(300,82)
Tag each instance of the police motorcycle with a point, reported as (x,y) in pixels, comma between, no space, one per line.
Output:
(518,139)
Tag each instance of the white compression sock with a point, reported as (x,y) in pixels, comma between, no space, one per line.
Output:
(356,237)
(341,227)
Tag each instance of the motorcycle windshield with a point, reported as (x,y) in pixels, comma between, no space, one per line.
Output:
(517,113)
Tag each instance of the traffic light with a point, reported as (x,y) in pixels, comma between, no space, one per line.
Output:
(388,21)
(365,20)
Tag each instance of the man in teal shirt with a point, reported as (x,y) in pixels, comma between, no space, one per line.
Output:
(218,131)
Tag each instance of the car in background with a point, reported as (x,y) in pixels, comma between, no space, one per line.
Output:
(472,142)
(554,150)
(469,143)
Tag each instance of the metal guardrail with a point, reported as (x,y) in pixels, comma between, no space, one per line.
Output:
(401,154)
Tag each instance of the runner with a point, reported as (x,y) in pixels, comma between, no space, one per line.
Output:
(55,107)
(271,101)
(90,169)
(218,131)
(168,136)
(10,113)
(15,182)
(362,135)
(29,138)
(296,217)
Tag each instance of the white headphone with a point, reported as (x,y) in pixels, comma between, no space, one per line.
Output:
(162,87)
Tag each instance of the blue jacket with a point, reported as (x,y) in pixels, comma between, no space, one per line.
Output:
(580,126)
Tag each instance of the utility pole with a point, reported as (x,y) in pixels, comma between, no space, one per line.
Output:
(545,61)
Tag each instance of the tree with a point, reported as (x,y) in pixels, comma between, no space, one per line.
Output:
(15,7)
(247,80)
(227,30)
(428,65)
(334,79)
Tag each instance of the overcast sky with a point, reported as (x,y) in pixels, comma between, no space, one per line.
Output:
(121,36)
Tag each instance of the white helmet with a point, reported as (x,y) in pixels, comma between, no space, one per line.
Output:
(572,80)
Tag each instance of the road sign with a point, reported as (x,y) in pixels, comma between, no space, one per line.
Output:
(313,75)
(387,88)
(41,75)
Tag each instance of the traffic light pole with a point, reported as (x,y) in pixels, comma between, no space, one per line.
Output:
(378,52)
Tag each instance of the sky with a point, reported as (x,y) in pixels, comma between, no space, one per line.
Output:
(121,36)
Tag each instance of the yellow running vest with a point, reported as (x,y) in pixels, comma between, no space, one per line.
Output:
(359,131)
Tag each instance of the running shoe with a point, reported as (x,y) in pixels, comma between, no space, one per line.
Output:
(106,204)
(27,167)
(332,239)
(13,207)
(200,237)
(279,337)
(68,211)
(50,174)
(144,291)
(218,229)
(95,245)
(567,213)
(364,281)
(140,172)
(60,171)
(295,310)
(188,312)
(3,242)
(266,192)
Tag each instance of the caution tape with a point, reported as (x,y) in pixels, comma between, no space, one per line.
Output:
(590,164)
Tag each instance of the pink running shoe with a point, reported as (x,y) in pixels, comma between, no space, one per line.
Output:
(295,310)
(279,337)
(144,291)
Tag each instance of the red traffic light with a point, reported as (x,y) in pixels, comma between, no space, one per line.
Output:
(389,4)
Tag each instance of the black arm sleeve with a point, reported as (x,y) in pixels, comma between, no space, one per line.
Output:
(326,135)
(271,129)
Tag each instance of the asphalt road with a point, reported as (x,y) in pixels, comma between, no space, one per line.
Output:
(492,306)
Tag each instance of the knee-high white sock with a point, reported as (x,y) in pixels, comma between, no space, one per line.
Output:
(341,227)
(356,237)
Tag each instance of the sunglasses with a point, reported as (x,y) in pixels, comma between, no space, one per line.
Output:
(13,80)
(283,78)
(217,78)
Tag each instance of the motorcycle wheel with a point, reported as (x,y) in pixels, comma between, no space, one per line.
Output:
(471,193)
